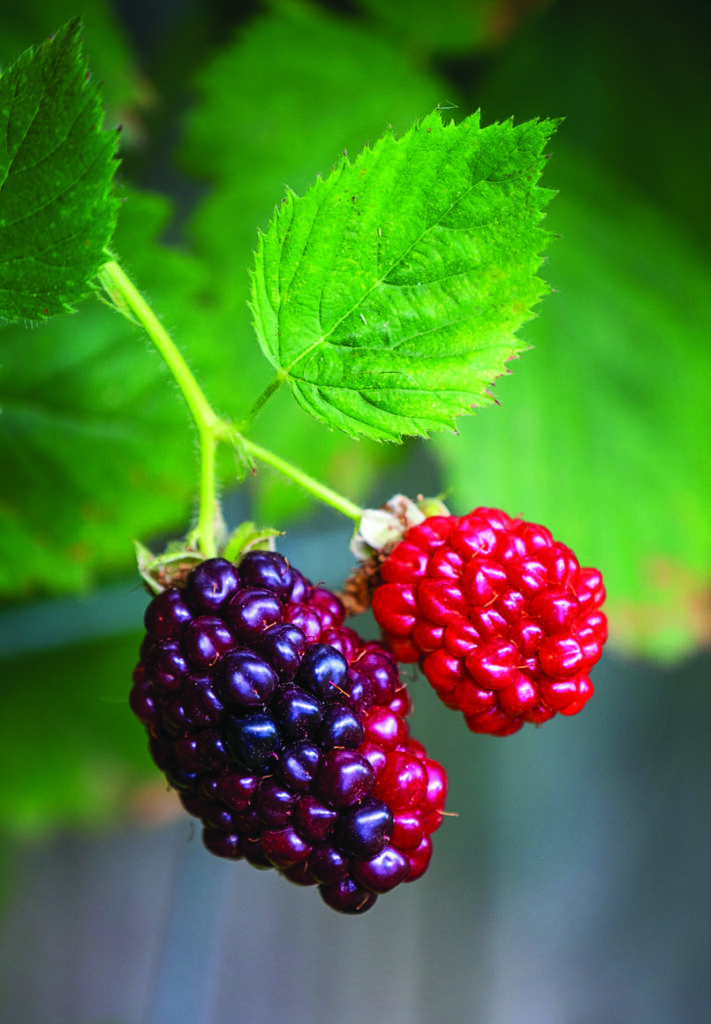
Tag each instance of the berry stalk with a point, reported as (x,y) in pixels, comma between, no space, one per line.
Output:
(128,300)
(306,482)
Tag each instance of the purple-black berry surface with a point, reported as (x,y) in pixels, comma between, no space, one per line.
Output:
(284,733)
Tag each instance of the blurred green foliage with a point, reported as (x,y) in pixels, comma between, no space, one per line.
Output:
(97,444)
(451,26)
(602,428)
(77,756)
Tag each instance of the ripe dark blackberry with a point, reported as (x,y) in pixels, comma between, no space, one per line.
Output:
(283,731)
(503,621)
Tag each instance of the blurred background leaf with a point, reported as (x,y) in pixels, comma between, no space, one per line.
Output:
(106,45)
(603,429)
(452,26)
(632,81)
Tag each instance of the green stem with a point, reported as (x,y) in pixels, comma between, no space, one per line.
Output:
(205,530)
(308,483)
(128,300)
(119,286)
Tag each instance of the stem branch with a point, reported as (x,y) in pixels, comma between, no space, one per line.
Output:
(308,483)
(205,530)
(211,429)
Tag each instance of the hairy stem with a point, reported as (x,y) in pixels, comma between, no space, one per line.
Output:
(205,530)
(119,287)
(128,300)
(211,428)
(306,482)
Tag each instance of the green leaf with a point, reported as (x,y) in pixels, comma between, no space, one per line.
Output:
(91,418)
(56,169)
(388,296)
(604,437)
(324,84)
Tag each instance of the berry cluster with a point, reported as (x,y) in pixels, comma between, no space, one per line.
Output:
(284,731)
(503,621)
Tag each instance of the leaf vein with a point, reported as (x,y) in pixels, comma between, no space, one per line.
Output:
(57,197)
(436,222)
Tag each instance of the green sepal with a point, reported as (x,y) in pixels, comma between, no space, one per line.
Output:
(250,537)
(162,571)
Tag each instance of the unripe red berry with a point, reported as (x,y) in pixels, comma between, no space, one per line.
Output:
(503,621)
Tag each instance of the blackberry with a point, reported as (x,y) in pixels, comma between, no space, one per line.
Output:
(504,622)
(283,731)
